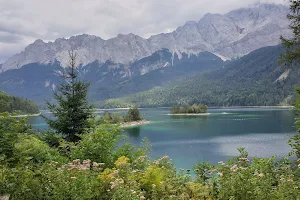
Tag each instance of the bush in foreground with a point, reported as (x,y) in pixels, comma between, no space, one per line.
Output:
(101,166)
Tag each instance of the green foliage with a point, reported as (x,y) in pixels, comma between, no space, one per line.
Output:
(16,105)
(96,168)
(292,45)
(99,145)
(201,171)
(10,127)
(72,113)
(30,150)
(295,140)
(189,109)
(292,56)
(113,118)
(133,115)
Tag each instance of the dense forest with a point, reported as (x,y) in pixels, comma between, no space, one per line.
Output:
(17,105)
(257,79)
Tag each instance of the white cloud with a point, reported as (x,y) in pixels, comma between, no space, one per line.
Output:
(22,22)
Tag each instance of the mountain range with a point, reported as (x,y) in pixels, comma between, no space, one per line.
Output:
(129,64)
(256,79)
(230,35)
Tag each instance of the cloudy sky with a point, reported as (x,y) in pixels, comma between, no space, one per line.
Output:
(24,21)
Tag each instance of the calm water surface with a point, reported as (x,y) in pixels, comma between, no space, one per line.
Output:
(189,139)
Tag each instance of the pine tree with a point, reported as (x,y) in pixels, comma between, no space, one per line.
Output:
(292,56)
(293,45)
(72,111)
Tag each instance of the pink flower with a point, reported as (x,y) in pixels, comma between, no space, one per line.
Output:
(260,175)
(220,174)
(234,168)
(221,163)
(142,197)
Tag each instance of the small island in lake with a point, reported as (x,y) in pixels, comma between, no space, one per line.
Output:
(194,109)
(132,118)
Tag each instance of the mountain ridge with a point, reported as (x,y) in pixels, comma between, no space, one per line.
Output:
(256,79)
(233,34)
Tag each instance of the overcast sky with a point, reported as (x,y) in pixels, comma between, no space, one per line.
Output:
(24,21)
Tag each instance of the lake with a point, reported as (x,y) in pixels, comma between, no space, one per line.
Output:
(189,139)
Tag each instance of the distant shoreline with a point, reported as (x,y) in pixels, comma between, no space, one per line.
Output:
(135,123)
(27,115)
(282,107)
(189,114)
(212,107)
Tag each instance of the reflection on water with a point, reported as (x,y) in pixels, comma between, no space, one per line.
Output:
(214,137)
(133,131)
(198,117)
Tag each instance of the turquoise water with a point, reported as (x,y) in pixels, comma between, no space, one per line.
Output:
(215,137)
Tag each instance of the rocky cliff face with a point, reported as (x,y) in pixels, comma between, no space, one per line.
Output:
(233,34)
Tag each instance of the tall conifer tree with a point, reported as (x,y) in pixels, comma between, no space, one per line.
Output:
(72,111)
(293,45)
(293,56)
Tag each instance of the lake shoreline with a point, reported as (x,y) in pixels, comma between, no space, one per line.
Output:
(27,115)
(135,123)
(212,107)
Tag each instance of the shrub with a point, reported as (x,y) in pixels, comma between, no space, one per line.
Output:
(98,145)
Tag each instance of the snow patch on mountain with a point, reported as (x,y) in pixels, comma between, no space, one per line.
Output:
(230,35)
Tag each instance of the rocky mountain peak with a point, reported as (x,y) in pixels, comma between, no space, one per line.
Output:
(230,35)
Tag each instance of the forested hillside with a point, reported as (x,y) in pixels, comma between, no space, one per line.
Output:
(169,68)
(257,79)
(17,105)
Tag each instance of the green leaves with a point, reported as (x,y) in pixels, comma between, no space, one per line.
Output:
(72,112)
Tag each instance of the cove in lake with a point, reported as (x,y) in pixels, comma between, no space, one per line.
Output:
(187,140)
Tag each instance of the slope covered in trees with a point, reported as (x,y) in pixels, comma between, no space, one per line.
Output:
(257,79)
(18,105)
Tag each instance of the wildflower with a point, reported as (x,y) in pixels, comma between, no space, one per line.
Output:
(188,170)
(234,168)
(221,163)
(113,185)
(165,157)
(181,169)
(196,170)
(86,161)
(95,164)
(123,160)
(132,191)
(73,177)
(244,160)
(260,175)
(153,185)
(220,174)
(142,197)
(142,158)
(77,161)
